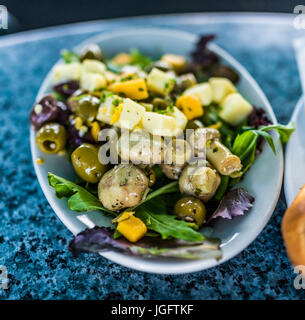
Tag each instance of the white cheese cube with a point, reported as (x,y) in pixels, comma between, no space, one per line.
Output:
(221,87)
(203,91)
(235,109)
(131,115)
(93,66)
(160,82)
(106,109)
(159,124)
(92,81)
(180,118)
(67,71)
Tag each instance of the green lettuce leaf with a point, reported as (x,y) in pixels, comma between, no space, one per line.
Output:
(79,199)
(153,214)
(245,143)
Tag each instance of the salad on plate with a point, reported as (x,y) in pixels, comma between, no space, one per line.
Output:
(158,144)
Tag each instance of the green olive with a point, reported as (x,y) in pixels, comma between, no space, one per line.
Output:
(184,82)
(51,138)
(194,124)
(92,51)
(190,209)
(226,72)
(161,65)
(160,104)
(86,163)
(84,106)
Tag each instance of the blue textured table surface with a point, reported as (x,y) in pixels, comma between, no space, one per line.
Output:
(33,242)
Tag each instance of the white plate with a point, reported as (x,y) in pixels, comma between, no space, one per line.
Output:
(263,181)
(295,155)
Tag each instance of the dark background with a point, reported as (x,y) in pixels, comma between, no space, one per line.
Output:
(33,14)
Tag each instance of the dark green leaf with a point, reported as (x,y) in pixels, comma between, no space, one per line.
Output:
(166,225)
(80,199)
(285,131)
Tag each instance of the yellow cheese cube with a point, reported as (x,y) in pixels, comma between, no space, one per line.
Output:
(235,109)
(190,105)
(132,228)
(131,115)
(221,87)
(122,58)
(95,130)
(203,91)
(159,124)
(134,89)
(107,108)
(160,82)
(93,66)
(92,81)
(67,71)
(174,60)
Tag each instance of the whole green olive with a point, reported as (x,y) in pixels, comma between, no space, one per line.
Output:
(190,209)
(194,124)
(161,65)
(51,138)
(160,104)
(226,72)
(86,163)
(184,82)
(84,106)
(92,51)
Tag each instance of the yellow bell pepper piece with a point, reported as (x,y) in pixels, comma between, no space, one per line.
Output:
(131,227)
(133,89)
(190,105)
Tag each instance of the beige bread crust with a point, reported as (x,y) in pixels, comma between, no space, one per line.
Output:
(293,229)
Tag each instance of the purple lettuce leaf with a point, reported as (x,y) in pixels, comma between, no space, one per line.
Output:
(100,239)
(235,203)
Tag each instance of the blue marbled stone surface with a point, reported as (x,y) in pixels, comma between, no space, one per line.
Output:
(33,242)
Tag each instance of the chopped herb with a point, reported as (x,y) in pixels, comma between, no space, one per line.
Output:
(69,56)
(116,102)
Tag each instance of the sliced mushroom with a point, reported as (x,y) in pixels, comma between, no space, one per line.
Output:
(200,180)
(206,142)
(177,154)
(139,147)
(124,186)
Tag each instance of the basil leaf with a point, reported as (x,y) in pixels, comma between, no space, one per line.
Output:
(80,199)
